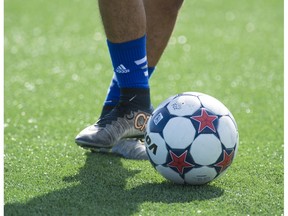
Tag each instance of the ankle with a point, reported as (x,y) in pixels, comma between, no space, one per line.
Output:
(139,97)
(106,109)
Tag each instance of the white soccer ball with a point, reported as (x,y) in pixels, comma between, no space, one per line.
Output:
(191,138)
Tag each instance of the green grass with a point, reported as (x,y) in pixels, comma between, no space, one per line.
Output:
(57,70)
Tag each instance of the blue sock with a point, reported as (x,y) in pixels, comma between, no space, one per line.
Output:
(150,71)
(129,61)
(113,93)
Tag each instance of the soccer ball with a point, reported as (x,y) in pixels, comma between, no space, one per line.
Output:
(191,138)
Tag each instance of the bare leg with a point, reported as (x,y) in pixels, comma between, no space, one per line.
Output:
(161,16)
(123,20)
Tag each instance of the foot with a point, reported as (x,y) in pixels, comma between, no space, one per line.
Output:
(126,120)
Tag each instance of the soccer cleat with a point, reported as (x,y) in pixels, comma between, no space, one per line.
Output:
(124,121)
(130,148)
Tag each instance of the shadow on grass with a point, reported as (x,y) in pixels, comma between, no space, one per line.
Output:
(101,190)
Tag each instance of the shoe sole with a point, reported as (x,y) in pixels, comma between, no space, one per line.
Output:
(89,145)
(118,151)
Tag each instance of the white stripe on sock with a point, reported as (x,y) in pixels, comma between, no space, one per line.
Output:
(141,61)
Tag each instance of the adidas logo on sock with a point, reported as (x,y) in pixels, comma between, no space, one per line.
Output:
(121,69)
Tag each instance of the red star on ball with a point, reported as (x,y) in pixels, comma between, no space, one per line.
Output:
(205,120)
(227,160)
(179,162)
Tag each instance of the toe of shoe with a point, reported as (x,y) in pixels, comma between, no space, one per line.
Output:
(92,137)
(85,136)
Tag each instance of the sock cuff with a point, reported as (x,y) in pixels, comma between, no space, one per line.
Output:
(128,44)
